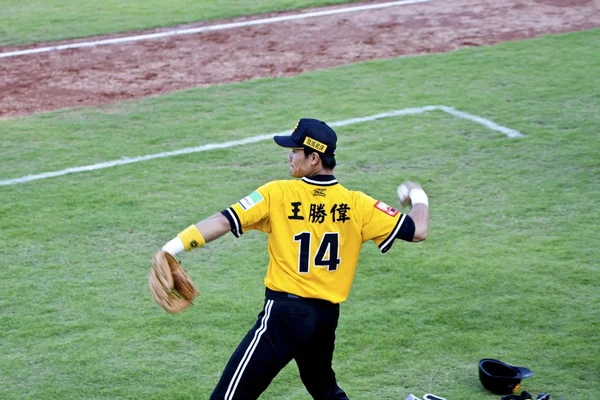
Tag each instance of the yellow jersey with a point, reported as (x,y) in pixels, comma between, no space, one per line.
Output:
(315,230)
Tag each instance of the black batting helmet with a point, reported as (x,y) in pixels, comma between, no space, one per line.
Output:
(501,378)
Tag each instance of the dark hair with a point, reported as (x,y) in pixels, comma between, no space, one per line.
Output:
(328,161)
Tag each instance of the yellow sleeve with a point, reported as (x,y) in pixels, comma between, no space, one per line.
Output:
(381,222)
(251,212)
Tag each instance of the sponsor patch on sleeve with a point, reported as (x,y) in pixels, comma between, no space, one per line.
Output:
(251,200)
(389,210)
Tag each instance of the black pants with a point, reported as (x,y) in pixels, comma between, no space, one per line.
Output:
(289,327)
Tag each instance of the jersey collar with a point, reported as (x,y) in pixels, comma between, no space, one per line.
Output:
(321,180)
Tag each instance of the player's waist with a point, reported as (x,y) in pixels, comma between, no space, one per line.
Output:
(276,295)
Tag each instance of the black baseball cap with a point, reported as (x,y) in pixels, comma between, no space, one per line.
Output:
(501,378)
(310,133)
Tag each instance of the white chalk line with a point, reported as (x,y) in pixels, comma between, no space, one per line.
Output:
(189,31)
(511,133)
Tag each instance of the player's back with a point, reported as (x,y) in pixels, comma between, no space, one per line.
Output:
(316,232)
(316,228)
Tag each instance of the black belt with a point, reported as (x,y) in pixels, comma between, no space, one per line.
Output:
(275,295)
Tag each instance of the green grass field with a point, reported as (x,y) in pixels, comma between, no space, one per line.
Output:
(43,20)
(509,271)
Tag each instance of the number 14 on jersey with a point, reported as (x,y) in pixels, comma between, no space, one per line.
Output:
(327,253)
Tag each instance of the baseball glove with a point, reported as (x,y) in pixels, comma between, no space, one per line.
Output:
(170,285)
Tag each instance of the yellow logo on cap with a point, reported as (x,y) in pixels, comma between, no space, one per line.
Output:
(315,144)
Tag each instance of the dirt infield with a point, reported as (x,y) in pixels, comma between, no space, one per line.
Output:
(103,74)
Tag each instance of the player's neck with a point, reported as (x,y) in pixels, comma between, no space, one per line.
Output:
(320,171)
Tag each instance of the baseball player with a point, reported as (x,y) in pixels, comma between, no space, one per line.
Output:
(315,229)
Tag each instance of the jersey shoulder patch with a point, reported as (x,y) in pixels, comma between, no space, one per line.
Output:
(251,200)
(389,210)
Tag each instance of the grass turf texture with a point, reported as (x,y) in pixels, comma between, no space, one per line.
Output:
(43,20)
(510,269)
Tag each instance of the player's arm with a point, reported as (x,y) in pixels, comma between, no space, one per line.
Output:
(248,213)
(411,193)
(199,234)
(213,227)
(420,216)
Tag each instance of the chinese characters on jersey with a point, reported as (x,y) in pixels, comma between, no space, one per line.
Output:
(317,213)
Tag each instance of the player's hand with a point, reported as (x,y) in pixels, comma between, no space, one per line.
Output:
(404,192)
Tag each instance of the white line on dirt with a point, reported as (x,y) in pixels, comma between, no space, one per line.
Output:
(511,133)
(210,28)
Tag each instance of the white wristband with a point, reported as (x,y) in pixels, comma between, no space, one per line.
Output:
(418,196)
(174,246)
